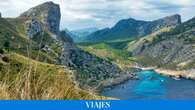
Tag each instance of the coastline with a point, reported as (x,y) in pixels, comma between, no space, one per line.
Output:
(187,74)
(117,81)
(122,78)
(109,83)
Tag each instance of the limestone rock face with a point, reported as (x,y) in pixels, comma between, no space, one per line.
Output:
(68,46)
(33,27)
(64,37)
(48,13)
(153,26)
(130,28)
(91,69)
(173,49)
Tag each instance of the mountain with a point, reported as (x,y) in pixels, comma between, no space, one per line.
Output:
(35,35)
(80,34)
(28,54)
(40,26)
(48,13)
(131,28)
(173,48)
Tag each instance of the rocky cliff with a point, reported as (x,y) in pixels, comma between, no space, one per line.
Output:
(91,71)
(48,13)
(173,49)
(42,25)
(33,27)
(131,28)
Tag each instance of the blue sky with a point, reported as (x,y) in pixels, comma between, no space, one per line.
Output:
(77,14)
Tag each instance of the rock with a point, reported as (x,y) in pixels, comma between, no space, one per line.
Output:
(46,48)
(48,13)
(173,49)
(0,15)
(33,27)
(64,37)
(89,67)
(173,20)
(128,28)
(90,70)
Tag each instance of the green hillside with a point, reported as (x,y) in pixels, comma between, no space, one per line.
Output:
(24,78)
(13,38)
(103,50)
(171,48)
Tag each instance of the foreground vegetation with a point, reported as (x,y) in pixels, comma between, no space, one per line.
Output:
(27,79)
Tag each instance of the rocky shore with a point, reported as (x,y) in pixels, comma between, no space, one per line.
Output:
(188,74)
(109,83)
(115,81)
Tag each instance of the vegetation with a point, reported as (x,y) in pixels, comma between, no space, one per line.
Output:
(29,73)
(120,57)
(13,40)
(24,78)
(152,38)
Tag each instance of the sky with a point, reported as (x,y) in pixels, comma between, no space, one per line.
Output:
(78,14)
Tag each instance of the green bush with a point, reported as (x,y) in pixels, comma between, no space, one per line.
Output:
(2,51)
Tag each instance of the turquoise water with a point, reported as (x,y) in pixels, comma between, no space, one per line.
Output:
(153,86)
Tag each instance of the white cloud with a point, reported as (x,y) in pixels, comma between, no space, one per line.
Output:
(104,13)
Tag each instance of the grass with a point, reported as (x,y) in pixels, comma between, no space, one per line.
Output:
(120,57)
(12,31)
(22,78)
(147,39)
(28,73)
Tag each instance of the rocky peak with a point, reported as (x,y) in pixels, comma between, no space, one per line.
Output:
(128,28)
(47,13)
(172,20)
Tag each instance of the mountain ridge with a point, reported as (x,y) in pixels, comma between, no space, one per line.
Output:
(172,49)
(128,28)
(38,27)
(80,34)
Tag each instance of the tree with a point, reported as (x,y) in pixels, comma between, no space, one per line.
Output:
(6,45)
(1,51)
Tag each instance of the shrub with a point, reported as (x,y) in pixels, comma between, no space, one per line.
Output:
(2,51)
(6,44)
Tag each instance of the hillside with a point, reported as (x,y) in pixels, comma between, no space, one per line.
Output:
(132,28)
(16,41)
(35,35)
(172,49)
(27,79)
(121,58)
(32,35)
(80,34)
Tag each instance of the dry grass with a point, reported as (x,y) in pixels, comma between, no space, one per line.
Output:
(22,78)
(26,79)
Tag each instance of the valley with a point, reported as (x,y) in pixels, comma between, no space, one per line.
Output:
(136,58)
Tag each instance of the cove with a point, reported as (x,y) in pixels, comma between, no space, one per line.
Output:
(152,85)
